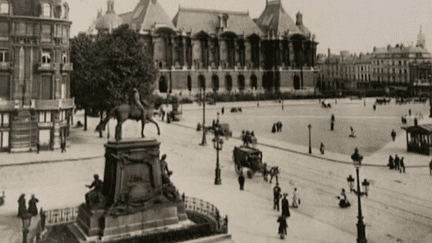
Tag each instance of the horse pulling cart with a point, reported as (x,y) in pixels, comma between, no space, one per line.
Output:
(250,158)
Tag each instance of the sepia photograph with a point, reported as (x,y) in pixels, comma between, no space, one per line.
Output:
(215,121)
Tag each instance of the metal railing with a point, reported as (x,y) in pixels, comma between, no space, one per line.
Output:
(202,207)
(69,215)
(60,216)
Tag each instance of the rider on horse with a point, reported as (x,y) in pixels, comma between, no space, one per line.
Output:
(138,102)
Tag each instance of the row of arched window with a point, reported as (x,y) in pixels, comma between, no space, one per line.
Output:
(45,10)
(241,84)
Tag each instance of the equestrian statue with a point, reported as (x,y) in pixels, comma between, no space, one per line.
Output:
(137,109)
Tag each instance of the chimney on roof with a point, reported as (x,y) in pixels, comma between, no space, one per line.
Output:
(388,47)
(401,46)
(374,49)
(397,45)
(299,18)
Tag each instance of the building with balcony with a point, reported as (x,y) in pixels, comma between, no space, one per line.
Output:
(35,103)
(224,51)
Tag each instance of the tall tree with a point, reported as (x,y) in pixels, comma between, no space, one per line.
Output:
(83,76)
(125,64)
(107,66)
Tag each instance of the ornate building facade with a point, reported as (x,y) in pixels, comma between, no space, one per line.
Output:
(223,51)
(35,103)
(386,68)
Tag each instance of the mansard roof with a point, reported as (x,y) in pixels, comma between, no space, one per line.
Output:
(197,20)
(276,20)
(147,15)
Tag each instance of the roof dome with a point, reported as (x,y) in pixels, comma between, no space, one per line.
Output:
(110,20)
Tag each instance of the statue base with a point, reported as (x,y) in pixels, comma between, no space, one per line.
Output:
(136,200)
(100,225)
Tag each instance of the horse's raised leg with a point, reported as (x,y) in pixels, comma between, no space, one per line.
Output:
(154,122)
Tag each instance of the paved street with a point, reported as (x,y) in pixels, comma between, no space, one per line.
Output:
(398,208)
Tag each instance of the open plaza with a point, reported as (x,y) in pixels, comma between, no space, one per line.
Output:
(397,208)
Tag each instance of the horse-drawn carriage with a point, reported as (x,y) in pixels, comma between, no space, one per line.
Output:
(381,101)
(248,157)
(222,128)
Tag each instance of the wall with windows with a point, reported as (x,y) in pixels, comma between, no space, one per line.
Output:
(34,73)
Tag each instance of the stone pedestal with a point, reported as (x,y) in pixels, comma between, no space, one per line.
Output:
(134,193)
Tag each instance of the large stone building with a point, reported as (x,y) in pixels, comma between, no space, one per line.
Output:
(224,51)
(344,72)
(385,68)
(34,74)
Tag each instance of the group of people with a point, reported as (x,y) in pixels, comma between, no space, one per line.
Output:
(277,195)
(248,138)
(396,163)
(277,127)
(32,207)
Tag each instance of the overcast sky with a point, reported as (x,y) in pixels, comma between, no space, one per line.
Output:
(352,25)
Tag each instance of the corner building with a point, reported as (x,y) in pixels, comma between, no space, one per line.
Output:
(35,103)
(223,51)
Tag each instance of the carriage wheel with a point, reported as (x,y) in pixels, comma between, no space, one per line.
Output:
(238,168)
(249,174)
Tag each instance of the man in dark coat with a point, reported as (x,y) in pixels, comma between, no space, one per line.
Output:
(274,128)
(402,165)
(285,206)
(223,110)
(282,225)
(393,135)
(430,168)
(265,172)
(396,161)
(276,196)
(322,148)
(32,209)
(241,180)
(21,205)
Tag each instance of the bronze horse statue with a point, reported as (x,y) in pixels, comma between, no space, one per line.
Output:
(124,112)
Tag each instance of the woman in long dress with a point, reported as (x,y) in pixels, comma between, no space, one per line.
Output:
(296,199)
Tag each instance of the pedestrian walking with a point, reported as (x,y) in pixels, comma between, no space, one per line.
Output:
(402,165)
(396,161)
(265,172)
(285,206)
(332,118)
(280,126)
(332,125)
(430,168)
(274,128)
(223,110)
(276,196)
(22,205)
(374,107)
(393,134)
(415,121)
(282,229)
(409,112)
(63,144)
(390,163)
(322,148)
(296,199)
(241,180)
(32,209)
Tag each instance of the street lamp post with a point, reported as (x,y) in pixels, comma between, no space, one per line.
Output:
(217,144)
(361,229)
(310,145)
(204,140)
(26,220)
(430,95)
